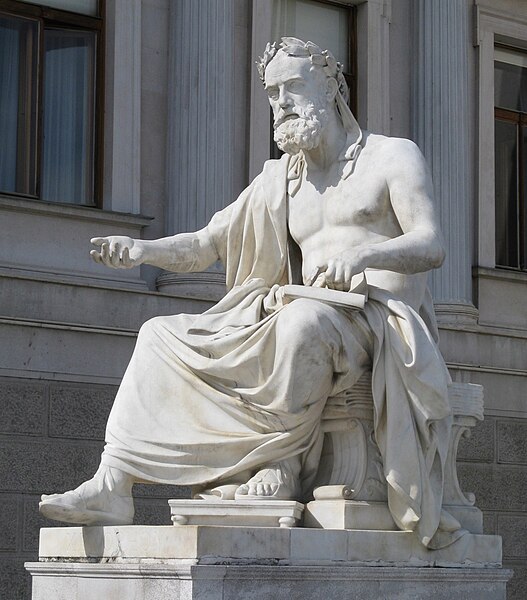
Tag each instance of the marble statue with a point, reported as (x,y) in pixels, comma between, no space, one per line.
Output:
(234,396)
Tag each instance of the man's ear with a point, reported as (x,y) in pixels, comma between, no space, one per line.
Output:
(332,87)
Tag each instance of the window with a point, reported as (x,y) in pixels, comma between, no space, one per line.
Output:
(50,100)
(329,24)
(510,86)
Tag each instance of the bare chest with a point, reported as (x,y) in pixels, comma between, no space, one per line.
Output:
(352,204)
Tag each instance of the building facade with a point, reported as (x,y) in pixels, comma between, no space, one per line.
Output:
(144,117)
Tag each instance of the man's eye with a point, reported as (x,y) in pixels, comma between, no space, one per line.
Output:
(295,86)
(273,94)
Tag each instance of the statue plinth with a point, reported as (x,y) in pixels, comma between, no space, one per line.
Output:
(197,562)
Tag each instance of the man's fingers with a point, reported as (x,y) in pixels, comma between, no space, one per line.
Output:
(125,259)
(105,253)
(321,281)
(314,274)
(115,258)
(330,272)
(96,256)
(98,241)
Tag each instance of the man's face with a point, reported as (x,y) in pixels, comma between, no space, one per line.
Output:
(297,94)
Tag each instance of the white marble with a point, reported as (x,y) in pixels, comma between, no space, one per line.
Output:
(244,513)
(234,396)
(73,581)
(293,546)
(229,563)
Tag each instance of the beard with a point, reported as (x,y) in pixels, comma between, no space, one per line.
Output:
(303,132)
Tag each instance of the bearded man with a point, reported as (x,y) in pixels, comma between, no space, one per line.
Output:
(235,395)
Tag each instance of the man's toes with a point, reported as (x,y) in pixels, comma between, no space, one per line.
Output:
(243,489)
(45,497)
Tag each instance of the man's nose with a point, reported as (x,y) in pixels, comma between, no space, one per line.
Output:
(284,99)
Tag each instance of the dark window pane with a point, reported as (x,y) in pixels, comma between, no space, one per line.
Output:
(68,116)
(510,86)
(18,89)
(523,201)
(506,194)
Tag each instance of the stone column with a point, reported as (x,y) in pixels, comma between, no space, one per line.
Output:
(442,127)
(201,148)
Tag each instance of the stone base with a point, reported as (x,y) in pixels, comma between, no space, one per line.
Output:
(245,513)
(157,581)
(355,514)
(209,563)
(348,514)
(287,546)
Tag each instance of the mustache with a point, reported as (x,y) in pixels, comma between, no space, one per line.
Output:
(290,116)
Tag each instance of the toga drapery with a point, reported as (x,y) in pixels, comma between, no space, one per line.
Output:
(244,384)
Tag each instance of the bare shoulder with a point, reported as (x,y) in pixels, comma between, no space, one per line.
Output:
(399,160)
(393,149)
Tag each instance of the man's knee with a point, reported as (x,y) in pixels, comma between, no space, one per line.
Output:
(302,319)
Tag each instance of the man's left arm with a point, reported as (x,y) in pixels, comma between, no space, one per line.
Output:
(419,247)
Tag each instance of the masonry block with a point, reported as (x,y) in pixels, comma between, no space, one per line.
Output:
(512,442)
(513,529)
(490,523)
(80,412)
(46,466)
(497,487)
(152,512)
(23,407)
(33,521)
(8,523)
(480,445)
(161,491)
(15,582)
(517,586)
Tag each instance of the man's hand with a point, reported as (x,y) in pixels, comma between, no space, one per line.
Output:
(118,251)
(339,270)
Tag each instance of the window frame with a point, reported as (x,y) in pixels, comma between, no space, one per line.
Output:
(519,119)
(58,18)
(494,28)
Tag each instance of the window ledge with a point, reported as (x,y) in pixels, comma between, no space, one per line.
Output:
(500,274)
(72,211)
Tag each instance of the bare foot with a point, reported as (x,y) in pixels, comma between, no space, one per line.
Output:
(106,499)
(279,482)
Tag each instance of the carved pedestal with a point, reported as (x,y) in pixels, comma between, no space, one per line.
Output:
(350,492)
(246,513)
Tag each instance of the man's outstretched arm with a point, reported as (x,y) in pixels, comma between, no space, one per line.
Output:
(184,252)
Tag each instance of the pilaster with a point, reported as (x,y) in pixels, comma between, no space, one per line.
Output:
(442,128)
(200,112)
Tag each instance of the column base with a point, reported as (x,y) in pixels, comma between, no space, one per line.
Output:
(456,313)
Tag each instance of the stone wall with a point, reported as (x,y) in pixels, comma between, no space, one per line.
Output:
(51,437)
(492,463)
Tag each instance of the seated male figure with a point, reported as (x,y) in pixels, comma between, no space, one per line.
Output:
(235,395)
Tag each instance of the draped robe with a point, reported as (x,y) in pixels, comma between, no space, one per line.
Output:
(244,384)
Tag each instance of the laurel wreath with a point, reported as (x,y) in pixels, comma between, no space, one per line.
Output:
(295,47)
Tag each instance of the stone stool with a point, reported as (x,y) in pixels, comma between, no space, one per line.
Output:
(350,490)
